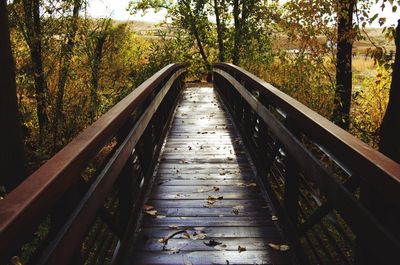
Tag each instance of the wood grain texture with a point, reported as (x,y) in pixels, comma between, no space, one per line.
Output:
(205,184)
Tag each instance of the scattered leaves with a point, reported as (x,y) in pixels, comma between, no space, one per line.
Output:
(150,210)
(15,261)
(241,249)
(250,184)
(237,208)
(172,250)
(279,247)
(185,235)
(212,243)
(214,198)
(199,235)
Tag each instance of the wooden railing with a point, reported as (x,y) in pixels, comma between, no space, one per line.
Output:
(81,206)
(337,199)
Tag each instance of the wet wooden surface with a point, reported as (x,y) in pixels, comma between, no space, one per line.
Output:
(206,192)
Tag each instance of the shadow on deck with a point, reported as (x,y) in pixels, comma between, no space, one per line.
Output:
(209,204)
(205,186)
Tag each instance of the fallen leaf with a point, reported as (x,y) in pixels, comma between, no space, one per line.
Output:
(214,198)
(15,261)
(274,218)
(279,247)
(160,216)
(199,235)
(215,189)
(250,184)
(237,208)
(172,250)
(152,213)
(173,226)
(241,249)
(185,235)
(212,243)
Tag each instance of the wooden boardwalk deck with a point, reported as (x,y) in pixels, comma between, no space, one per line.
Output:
(206,194)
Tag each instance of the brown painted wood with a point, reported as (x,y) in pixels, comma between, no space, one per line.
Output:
(198,161)
(140,119)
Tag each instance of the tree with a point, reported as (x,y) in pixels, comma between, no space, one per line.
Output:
(220,28)
(65,59)
(390,128)
(31,28)
(241,13)
(12,154)
(345,37)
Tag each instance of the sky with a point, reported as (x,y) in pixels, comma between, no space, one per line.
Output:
(117,10)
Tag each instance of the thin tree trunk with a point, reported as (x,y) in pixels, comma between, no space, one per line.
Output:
(237,34)
(342,101)
(390,128)
(11,152)
(34,40)
(199,43)
(220,32)
(98,54)
(65,59)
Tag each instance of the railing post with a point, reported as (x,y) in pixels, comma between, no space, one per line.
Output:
(292,183)
(385,212)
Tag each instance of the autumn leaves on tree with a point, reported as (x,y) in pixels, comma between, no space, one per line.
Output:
(69,69)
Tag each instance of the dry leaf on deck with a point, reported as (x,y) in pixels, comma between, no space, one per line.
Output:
(241,249)
(279,247)
(212,243)
(199,235)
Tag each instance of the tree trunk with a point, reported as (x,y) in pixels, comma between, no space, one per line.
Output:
(220,32)
(342,101)
(11,151)
(65,59)
(196,34)
(34,40)
(96,61)
(390,128)
(237,34)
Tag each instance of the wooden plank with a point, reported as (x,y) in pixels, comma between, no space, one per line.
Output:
(261,204)
(185,222)
(212,232)
(152,244)
(212,257)
(201,160)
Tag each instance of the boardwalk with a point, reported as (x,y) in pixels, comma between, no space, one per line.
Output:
(206,194)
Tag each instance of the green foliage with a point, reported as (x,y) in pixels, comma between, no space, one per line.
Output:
(369,104)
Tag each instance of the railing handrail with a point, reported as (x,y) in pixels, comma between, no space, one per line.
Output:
(378,170)
(24,208)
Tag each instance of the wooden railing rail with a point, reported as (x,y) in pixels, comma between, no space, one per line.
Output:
(78,206)
(337,198)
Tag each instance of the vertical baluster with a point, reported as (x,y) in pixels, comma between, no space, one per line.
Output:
(292,183)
